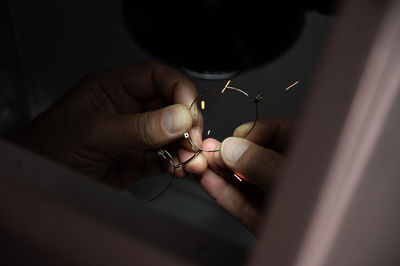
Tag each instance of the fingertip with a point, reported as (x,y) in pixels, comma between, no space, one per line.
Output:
(196,138)
(179,173)
(211,144)
(232,149)
(197,166)
(212,157)
(185,92)
(243,130)
(187,117)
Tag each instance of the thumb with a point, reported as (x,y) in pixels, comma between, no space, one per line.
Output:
(148,130)
(250,161)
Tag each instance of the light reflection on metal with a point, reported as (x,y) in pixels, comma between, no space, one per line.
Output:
(203,104)
(163,153)
(226,86)
(237,177)
(291,85)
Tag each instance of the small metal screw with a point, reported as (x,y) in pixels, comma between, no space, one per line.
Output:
(258,98)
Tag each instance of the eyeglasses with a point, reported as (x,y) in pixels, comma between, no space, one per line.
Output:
(218,111)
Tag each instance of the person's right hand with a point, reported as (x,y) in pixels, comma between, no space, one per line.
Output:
(256,158)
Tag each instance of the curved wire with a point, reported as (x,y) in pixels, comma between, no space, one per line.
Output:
(167,156)
(255,100)
(165,189)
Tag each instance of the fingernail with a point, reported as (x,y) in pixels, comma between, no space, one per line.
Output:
(233,148)
(174,119)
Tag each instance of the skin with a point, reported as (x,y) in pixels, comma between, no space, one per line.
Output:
(258,166)
(109,124)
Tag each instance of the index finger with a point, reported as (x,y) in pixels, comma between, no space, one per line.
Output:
(273,133)
(147,80)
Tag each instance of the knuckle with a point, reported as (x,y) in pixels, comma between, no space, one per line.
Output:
(144,131)
(272,160)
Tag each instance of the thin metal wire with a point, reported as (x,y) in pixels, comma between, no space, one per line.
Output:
(293,84)
(255,100)
(239,90)
(165,189)
(167,156)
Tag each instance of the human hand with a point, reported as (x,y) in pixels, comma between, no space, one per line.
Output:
(256,158)
(107,125)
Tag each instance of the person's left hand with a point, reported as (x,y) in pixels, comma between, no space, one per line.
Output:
(107,125)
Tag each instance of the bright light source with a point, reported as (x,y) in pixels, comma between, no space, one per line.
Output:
(203,104)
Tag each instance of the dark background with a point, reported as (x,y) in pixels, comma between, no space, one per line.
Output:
(47,46)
